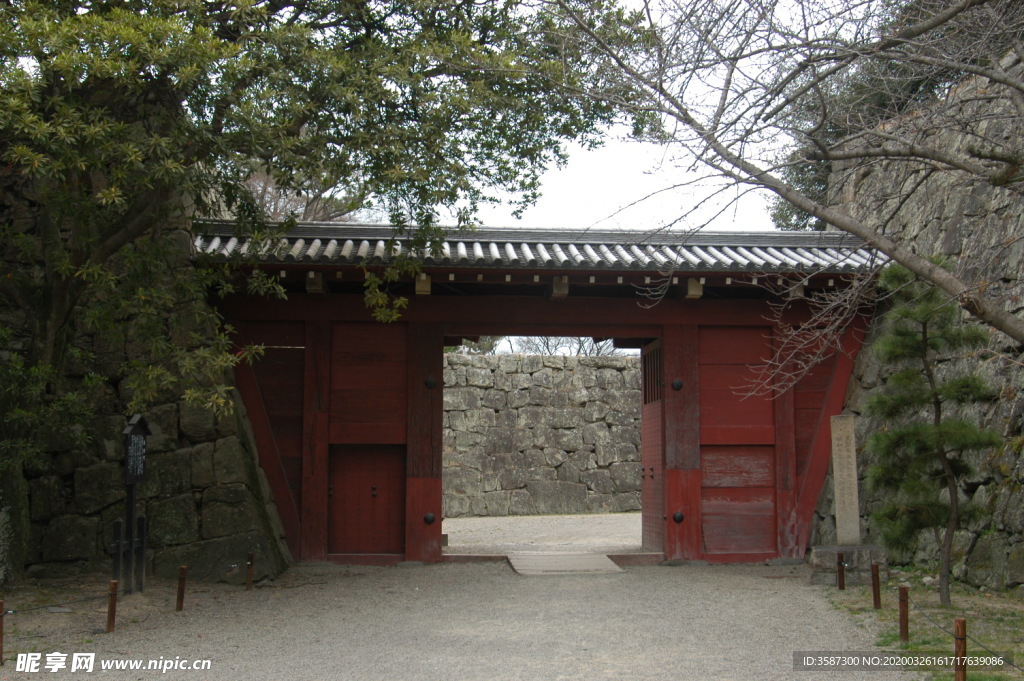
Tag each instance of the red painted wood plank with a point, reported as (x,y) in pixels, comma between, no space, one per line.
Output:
(425,409)
(368,498)
(737,466)
(682,408)
(739,535)
(737,435)
(652,486)
(422,538)
(785,472)
(315,466)
(734,345)
(723,401)
(682,494)
(738,501)
(814,477)
(514,315)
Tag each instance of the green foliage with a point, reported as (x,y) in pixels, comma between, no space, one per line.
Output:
(882,88)
(30,417)
(921,445)
(124,121)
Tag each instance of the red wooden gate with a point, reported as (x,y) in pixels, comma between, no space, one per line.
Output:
(367,499)
(652,448)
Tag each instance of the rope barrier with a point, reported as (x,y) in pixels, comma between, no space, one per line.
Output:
(970,638)
(51,605)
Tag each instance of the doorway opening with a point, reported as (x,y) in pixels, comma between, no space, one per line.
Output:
(542,452)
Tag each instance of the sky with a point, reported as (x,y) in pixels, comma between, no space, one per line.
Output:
(605,188)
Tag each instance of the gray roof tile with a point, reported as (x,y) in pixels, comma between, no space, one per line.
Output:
(320,244)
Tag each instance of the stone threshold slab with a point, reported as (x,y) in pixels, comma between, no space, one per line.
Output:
(538,564)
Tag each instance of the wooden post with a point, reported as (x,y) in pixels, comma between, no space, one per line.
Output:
(959,649)
(876,587)
(250,567)
(180,605)
(3,615)
(904,620)
(112,606)
(841,570)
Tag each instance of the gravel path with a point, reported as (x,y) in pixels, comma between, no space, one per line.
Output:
(468,621)
(483,621)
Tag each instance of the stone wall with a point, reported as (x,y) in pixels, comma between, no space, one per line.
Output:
(537,435)
(206,501)
(980,228)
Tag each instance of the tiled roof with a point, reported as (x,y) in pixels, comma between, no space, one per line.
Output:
(340,244)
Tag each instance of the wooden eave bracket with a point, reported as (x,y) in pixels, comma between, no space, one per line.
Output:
(423,284)
(694,288)
(314,282)
(559,287)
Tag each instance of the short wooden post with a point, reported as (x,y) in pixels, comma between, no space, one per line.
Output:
(250,568)
(904,615)
(180,605)
(112,606)
(841,570)
(876,587)
(959,649)
(3,616)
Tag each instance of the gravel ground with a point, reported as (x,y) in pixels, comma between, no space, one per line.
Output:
(598,533)
(466,621)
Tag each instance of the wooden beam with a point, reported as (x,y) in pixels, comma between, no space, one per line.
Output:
(814,477)
(694,287)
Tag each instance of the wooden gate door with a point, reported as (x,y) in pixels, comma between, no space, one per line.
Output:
(652,446)
(367,499)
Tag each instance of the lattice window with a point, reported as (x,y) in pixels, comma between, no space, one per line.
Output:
(651,365)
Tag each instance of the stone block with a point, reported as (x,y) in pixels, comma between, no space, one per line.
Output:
(456,399)
(594,433)
(221,559)
(594,411)
(46,498)
(456,505)
(569,440)
(195,423)
(568,472)
(1015,566)
(479,378)
(609,379)
(230,461)
(163,426)
(521,503)
(173,470)
(227,510)
(858,560)
(71,537)
(497,503)
(173,521)
(628,501)
(460,480)
(986,565)
(556,497)
(627,477)
(531,364)
(98,486)
(499,441)
(201,465)
(494,399)
(518,398)
(598,480)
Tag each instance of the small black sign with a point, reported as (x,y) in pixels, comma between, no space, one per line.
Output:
(135,449)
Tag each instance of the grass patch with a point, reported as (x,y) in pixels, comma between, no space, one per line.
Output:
(994,620)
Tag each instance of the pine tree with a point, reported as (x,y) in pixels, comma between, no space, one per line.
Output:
(920,448)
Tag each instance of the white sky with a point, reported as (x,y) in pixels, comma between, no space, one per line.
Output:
(596,188)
